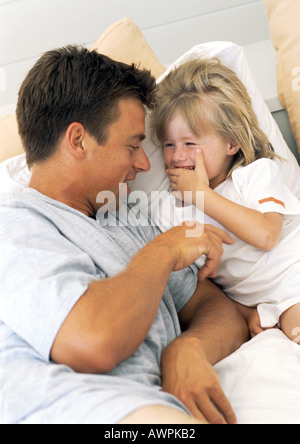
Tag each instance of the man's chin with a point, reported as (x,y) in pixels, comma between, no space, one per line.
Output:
(124,191)
(112,201)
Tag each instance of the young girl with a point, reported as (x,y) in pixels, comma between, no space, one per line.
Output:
(212,143)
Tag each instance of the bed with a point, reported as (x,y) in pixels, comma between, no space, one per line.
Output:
(262,378)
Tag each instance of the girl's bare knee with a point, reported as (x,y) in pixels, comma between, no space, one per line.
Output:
(290,323)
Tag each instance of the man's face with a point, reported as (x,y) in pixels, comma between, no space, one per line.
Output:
(122,157)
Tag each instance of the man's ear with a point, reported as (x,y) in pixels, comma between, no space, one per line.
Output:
(74,137)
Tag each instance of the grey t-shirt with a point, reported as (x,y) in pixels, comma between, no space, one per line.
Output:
(50,253)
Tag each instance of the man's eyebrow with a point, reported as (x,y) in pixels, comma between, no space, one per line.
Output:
(139,137)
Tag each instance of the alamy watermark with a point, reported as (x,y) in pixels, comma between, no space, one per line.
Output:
(130,210)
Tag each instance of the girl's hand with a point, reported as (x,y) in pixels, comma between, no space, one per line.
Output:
(252,318)
(253,321)
(190,180)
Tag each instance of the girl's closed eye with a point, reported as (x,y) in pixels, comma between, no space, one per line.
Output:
(169,145)
(188,145)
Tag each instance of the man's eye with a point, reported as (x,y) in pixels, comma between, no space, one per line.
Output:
(134,148)
(190,144)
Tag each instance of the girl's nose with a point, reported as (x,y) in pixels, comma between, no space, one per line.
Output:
(179,155)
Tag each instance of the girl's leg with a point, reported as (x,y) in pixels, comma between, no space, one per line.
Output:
(290,323)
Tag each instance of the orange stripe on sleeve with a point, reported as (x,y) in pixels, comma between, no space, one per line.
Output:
(272,199)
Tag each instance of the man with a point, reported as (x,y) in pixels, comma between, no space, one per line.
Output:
(89,326)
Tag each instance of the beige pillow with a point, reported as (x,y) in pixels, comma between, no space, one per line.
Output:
(122,41)
(284,16)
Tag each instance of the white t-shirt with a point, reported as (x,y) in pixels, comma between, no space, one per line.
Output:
(253,277)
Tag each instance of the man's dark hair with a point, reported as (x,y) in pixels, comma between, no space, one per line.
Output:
(73,84)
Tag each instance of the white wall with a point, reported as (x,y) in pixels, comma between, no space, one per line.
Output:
(30,27)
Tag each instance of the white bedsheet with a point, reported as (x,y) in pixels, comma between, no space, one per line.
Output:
(262,380)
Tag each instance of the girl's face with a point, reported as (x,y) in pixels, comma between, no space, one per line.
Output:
(181,144)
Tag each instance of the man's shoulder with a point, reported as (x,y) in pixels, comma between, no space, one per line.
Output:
(14,200)
(12,204)
(17,213)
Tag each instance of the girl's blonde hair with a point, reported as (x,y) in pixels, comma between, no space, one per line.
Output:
(209,95)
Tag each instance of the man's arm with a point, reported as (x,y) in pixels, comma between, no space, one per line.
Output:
(112,319)
(215,330)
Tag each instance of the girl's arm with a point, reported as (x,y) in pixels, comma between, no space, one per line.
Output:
(262,231)
(259,230)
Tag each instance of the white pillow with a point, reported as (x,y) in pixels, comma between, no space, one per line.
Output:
(233,57)
(14,174)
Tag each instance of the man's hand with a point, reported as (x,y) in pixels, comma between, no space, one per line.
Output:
(213,330)
(192,240)
(189,376)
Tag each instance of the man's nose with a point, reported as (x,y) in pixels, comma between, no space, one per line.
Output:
(142,163)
